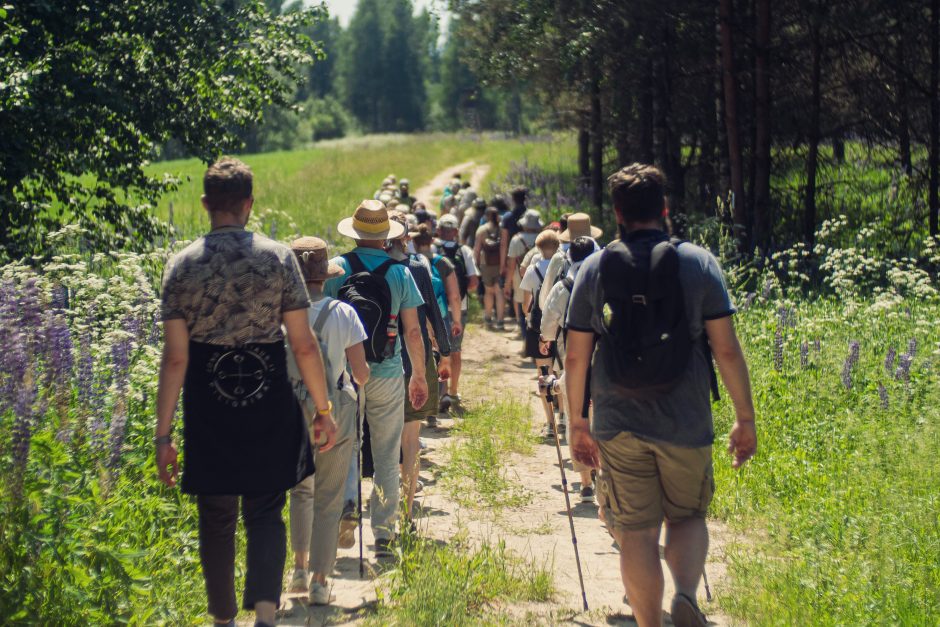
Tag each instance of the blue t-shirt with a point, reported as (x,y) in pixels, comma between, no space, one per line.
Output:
(404,292)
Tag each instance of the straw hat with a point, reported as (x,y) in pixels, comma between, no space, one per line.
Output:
(314,257)
(370,222)
(579,225)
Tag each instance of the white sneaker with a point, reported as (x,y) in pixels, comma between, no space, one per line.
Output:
(320,594)
(298,582)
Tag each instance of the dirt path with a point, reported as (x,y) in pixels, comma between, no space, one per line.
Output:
(430,194)
(538,531)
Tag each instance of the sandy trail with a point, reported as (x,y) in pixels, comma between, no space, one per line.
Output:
(538,531)
(430,193)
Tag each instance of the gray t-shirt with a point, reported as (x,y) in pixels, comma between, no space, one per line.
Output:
(683,417)
(232,287)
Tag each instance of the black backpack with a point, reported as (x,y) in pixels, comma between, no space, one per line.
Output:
(535,311)
(647,344)
(453,253)
(368,293)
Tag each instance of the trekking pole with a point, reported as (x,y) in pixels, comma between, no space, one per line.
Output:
(550,414)
(708,592)
(359,416)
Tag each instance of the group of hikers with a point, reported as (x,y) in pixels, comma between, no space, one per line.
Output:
(301,373)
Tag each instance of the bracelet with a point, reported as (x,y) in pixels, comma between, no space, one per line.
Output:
(328,410)
(162,440)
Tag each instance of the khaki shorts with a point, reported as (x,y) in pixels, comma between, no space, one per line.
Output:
(644,482)
(489,275)
(430,407)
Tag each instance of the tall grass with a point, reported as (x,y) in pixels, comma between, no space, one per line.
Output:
(840,506)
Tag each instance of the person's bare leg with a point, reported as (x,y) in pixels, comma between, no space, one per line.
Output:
(500,303)
(685,552)
(265,611)
(586,480)
(642,574)
(489,302)
(456,364)
(409,464)
(300,560)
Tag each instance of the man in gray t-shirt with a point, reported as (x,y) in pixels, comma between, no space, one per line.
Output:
(655,454)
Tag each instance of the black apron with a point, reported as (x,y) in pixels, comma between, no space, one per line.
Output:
(243,429)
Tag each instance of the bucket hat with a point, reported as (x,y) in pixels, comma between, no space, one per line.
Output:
(579,225)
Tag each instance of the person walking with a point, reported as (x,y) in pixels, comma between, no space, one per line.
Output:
(654,307)
(383,396)
(487,258)
(467,278)
(317,502)
(429,315)
(530,224)
(223,301)
(576,225)
(552,339)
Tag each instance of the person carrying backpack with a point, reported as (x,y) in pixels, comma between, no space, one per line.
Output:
(316,503)
(653,307)
(382,292)
(486,256)
(461,257)
(554,315)
(575,225)
(520,245)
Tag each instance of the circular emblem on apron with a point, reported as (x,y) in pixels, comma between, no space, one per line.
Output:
(240,377)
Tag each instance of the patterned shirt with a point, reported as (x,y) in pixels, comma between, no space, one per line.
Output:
(232,286)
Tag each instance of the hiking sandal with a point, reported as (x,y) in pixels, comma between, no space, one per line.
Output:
(685,612)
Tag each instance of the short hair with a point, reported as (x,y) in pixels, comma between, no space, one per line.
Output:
(519,194)
(638,192)
(226,184)
(492,215)
(547,242)
(581,248)
(499,202)
(422,237)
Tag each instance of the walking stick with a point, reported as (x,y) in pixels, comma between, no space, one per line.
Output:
(359,414)
(550,414)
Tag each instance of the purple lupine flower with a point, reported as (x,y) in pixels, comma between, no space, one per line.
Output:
(854,352)
(57,355)
(804,354)
(23,423)
(817,345)
(778,350)
(903,372)
(116,433)
(883,394)
(912,347)
(847,373)
(889,360)
(748,301)
(782,314)
(60,297)
(153,338)
(768,288)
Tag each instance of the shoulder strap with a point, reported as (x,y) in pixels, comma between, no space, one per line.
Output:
(568,282)
(437,260)
(355,263)
(383,269)
(538,273)
(328,308)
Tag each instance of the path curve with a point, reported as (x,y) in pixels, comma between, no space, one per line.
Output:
(430,193)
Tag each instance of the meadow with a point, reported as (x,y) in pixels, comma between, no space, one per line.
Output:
(837,515)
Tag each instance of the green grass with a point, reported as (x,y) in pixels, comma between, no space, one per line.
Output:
(318,187)
(839,508)
(457,583)
(475,470)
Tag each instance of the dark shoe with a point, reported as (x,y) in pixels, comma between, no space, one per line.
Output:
(549,432)
(445,404)
(432,420)
(383,547)
(685,612)
(587,494)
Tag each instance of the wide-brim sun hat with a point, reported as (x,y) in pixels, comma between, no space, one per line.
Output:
(370,222)
(531,220)
(579,225)
(313,256)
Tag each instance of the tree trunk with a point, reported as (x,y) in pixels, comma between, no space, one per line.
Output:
(762,140)
(904,114)
(584,148)
(597,140)
(646,106)
(934,166)
(732,128)
(812,159)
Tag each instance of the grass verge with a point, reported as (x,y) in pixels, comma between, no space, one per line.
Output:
(475,471)
(436,583)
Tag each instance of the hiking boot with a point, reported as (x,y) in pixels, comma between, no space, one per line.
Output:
(587,494)
(383,547)
(431,420)
(319,594)
(499,325)
(347,526)
(298,582)
(548,432)
(446,403)
(685,612)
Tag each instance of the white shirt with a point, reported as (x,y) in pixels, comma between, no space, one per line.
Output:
(553,312)
(531,281)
